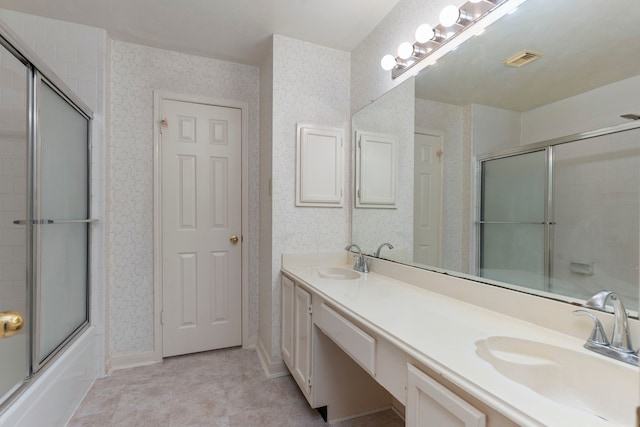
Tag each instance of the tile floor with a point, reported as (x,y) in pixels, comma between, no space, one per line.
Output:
(218,388)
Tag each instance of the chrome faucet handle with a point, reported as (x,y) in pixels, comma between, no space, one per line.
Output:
(389,245)
(621,337)
(364,265)
(361,261)
(598,336)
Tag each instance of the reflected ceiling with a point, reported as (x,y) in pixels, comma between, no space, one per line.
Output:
(585,44)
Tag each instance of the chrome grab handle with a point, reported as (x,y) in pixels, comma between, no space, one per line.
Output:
(516,222)
(72,221)
(54,221)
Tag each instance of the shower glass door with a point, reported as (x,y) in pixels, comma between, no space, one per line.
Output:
(62,229)
(14,296)
(513,220)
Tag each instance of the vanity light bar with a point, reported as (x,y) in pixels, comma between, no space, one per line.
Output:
(429,39)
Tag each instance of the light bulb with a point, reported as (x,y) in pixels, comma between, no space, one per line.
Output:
(449,16)
(424,33)
(475,1)
(388,62)
(405,50)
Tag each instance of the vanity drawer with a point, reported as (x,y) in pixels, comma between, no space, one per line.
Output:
(353,340)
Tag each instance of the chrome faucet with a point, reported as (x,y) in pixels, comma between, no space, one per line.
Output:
(361,262)
(389,245)
(620,347)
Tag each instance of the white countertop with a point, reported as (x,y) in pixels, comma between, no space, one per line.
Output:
(442,332)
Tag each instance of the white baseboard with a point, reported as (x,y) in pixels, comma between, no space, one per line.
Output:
(398,408)
(132,360)
(250,342)
(271,369)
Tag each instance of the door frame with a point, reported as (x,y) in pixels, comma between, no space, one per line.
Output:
(158,97)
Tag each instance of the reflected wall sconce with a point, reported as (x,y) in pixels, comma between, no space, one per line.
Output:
(452,21)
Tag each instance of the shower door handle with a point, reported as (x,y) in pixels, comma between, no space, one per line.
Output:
(54,221)
(71,221)
(10,323)
(516,222)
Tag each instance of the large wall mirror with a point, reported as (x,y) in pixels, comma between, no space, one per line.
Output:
(521,176)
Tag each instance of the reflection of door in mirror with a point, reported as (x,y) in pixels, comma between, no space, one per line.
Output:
(427,188)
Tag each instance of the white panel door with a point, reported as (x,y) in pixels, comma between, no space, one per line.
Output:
(427,216)
(201,227)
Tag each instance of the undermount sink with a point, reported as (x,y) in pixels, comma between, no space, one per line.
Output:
(337,273)
(607,389)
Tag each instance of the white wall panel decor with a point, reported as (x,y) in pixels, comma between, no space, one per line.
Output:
(319,166)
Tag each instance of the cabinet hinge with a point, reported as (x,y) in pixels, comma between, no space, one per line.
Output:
(309,381)
(358,194)
(162,317)
(310,309)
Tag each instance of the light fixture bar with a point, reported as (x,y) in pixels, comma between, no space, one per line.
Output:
(457,19)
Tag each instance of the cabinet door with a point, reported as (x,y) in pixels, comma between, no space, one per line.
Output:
(287,320)
(430,404)
(319,166)
(376,170)
(302,340)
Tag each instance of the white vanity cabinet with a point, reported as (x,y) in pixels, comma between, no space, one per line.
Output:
(347,368)
(329,377)
(296,340)
(430,404)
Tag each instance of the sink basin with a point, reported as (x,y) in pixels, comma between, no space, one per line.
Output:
(337,273)
(605,388)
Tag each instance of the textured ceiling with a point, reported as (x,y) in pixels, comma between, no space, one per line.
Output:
(585,44)
(234,30)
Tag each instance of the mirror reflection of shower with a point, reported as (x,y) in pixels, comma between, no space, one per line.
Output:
(564,219)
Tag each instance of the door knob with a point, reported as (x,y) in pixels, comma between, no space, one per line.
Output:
(10,323)
(234,239)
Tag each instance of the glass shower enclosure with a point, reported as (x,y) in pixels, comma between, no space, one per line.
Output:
(44,220)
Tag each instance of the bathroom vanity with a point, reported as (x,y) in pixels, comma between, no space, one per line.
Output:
(442,351)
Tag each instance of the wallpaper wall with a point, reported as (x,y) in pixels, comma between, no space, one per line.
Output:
(76,54)
(136,71)
(310,85)
(391,114)
(266,166)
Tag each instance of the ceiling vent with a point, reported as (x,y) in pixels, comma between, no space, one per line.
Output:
(522,58)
